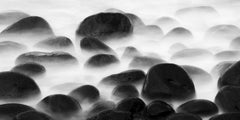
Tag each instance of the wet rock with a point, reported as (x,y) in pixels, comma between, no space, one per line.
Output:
(144,62)
(228,99)
(178,34)
(16,86)
(9,47)
(199,107)
(183,116)
(158,110)
(125,91)
(30,69)
(168,81)
(111,115)
(130,52)
(198,75)
(226,116)
(32,115)
(10,110)
(30,30)
(228,55)
(167,23)
(57,43)
(220,68)
(235,44)
(59,106)
(47,58)
(10,17)
(101,60)
(90,44)
(135,20)
(191,54)
(101,106)
(86,93)
(133,105)
(133,76)
(105,26)
(231,76)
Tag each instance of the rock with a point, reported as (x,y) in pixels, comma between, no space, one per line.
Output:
(57,43)
(16,86)
(47,58)
(10,110)
(228,99)
(178,34)
(133,76)
(167,23)
(32,115)
(220,68)
(199,107)
(135,20)
(9,47)
(226,116)
(158,110)
(101,60)
(59,106)
(30,69)
(198,75)
(86,93)
(235,44)
(130,52)
(168,81)
(90,44)
(101,106)
(231,76)
(183,116)
(125,91)
(144,62)
(133,105)
(9,17)
(228,55)
(30,30)
(111,115)
(104,26)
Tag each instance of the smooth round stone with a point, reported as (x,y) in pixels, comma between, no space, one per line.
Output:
(30,29)
(47,58)
(199,107)
(198,75)
(130,52)
(59,106)
(176,47)
(86,93)
(133,76)
(226,116)
(101,106)
(167,23)
(228,99)
(135,20)
(183,116)
(223,32)
(30,69)
(101,60)
(104,26)
(111,115)
(16,86)
(231,76)
(32,115)
(125,91)
(57,43)
(144,62)
(168,81)
(220,68)
(10,47)
(228,55)
(9,17)
(191,54)
(235,44)
(90,44)
(179,33)
(158,110)
(10,110)
(133,105)
(152,30)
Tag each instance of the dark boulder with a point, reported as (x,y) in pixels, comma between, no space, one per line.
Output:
(125,91)
(30,69)
(101,60)
(32,115)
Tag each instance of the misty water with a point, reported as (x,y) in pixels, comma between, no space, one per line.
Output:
(64,16)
